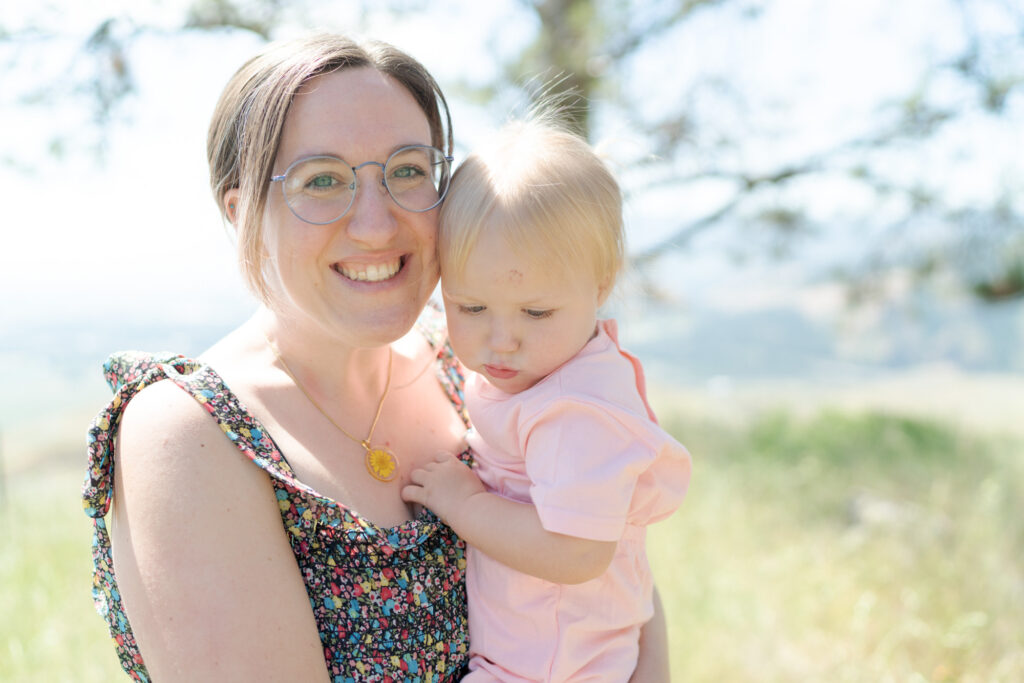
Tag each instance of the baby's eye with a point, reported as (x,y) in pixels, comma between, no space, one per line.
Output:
(471,309)
(538,314)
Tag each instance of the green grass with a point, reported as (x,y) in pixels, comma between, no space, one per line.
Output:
(840,547)
(50,631)
(845,548)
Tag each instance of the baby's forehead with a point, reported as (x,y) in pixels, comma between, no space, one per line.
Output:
(516,285)
(501,259)
(505,277)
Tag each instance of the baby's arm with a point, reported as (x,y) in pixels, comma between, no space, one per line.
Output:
(507,531)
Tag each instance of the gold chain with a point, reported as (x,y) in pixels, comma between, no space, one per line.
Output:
(431,361)
(418,374)
(380,462)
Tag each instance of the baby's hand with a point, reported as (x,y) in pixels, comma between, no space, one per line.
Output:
(444,486)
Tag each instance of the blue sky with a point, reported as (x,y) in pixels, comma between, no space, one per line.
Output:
(137,235)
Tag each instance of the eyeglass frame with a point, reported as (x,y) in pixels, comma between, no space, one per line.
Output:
(355,180)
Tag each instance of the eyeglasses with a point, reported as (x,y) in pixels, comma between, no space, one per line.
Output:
(321,189)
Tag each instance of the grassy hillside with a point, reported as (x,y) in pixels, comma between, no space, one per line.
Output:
(845,547)
(50,631)
(829,546)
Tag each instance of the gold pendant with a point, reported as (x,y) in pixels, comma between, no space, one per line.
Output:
(381,463)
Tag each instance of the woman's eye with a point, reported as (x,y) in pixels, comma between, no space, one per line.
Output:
(471,310)
(407,172)
(537,314)
(322,182)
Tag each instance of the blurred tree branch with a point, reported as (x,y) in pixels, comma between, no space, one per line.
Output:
(582,51)
(589,41)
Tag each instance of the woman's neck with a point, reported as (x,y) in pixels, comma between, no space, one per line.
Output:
(324,363)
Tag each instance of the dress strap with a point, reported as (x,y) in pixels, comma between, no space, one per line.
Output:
(127,373)
(431,324)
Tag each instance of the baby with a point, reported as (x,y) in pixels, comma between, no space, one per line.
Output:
(571,464)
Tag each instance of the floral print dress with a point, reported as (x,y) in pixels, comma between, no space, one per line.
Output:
(390,603)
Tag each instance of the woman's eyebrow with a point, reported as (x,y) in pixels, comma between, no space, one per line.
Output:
(345,159)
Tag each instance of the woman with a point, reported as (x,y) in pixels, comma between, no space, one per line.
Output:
(210,584)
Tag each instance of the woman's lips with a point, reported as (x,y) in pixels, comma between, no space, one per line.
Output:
(499,372)
(370,272)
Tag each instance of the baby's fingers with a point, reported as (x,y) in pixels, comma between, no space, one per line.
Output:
(420,475)
(412,493)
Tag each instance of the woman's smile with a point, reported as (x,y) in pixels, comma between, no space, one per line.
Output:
(370,272)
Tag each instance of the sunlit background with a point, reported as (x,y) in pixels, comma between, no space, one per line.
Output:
(824,209)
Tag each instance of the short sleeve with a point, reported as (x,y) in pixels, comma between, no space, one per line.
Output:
(594,468)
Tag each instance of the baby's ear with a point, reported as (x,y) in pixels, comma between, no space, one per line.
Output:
(230,203)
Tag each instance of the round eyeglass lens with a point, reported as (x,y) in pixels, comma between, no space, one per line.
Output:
(417,177)
(320,189)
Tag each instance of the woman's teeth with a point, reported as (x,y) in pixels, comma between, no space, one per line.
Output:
(371,273)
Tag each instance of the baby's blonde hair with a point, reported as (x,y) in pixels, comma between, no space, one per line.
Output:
(544,190)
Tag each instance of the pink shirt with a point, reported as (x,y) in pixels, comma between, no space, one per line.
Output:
(583,447)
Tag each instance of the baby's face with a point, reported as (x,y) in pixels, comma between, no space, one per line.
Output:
(513,320)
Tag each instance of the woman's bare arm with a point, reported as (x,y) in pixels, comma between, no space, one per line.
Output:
(653,665)
(206,572)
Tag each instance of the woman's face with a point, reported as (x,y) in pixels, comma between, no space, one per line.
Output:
(366,276)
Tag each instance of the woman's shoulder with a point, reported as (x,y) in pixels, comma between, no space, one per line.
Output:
(165,412)
(146,402)
(167,438)
(162,407)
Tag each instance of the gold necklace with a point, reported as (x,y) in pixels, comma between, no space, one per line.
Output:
(431,361)
(381,463)
(418,375)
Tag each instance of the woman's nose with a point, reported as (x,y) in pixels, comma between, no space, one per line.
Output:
(371,219)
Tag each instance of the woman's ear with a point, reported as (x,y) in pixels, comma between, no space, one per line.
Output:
(230,203)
